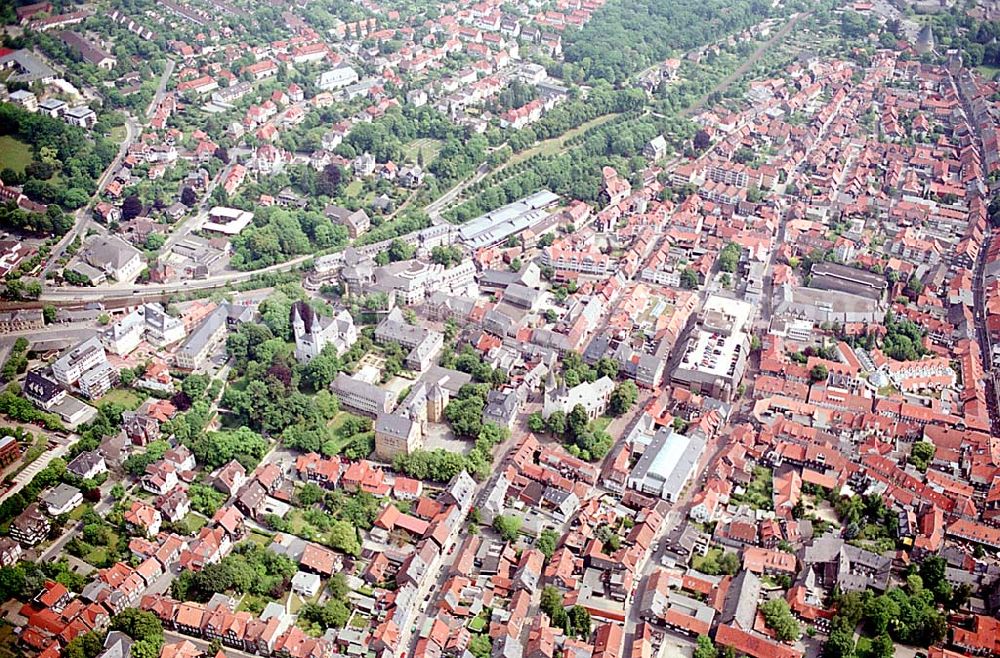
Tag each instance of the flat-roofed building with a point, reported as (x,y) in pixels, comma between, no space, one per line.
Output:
(667,464)
(228,221)
(72,363)
(98,380)
(716,354)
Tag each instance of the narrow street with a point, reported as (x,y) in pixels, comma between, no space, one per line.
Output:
(979,285)
(83,216)
(668,534)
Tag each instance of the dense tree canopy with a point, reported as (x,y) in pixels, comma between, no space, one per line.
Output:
(626,36)
(78,159)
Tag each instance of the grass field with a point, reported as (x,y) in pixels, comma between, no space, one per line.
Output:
(14,154)
(354,188)
(335,425)
(430,147)
(555,145)
(601,424)
(988,72)
(707,561)
(124,397)
(194,522)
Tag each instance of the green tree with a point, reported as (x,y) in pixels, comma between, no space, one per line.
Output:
(933,574)
(481,646)
(705,648)
(509,526)
(729,563)
(840,644)
(536,423)
(778,617)
(729,257)
(607,367)
(344,537)
(819,373)
(577,421)
(690,278)
(579,621)
(143,627)
(921,454)
(556,423)
(12,582)
(88,645)
(309,494)
(623,397)
(547,541)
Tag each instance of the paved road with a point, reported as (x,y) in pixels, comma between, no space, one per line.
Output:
(101,507)
(978,288)
(434,208)
(194,223)
(668,533)
(83,216)
(724,84)
(25,476)
(119,290)
(433,581)
(161,89)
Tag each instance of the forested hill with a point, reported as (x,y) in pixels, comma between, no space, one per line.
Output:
(625,36)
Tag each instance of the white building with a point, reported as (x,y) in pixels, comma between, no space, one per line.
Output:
(150,322)
(81,116)
(114,257)
(313,332)
(667,465)
(125,335)
(306,584)
(206,338)
(228,221)
(592,396)
(98,380)
(161,328)
(337,78)
(75,361)
(25,99)
(62,499)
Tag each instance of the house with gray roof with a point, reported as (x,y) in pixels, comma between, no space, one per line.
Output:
(740,608)
(87,465)
(116,645)
(361,396)
(113,257)
(62,499)
(206,338)
(424,343)
(835,563)
(522,296)
(356,222)
(502,407)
